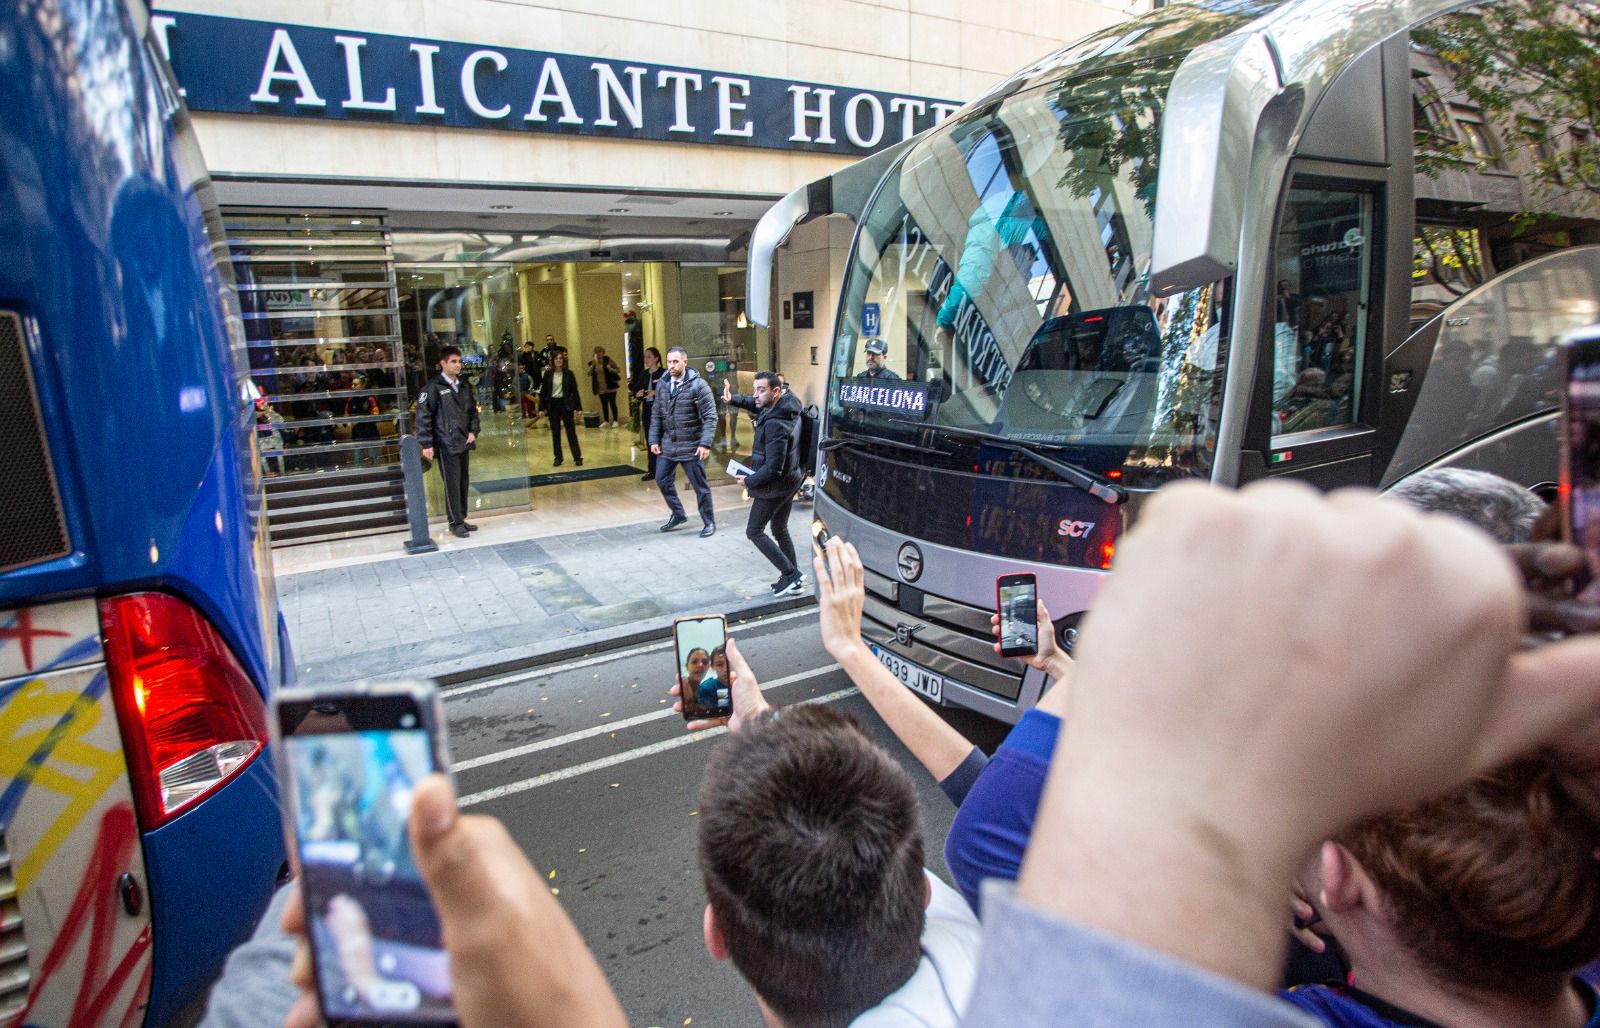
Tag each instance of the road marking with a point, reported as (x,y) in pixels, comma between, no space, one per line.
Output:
(604,658)
(608,727)
(512,788)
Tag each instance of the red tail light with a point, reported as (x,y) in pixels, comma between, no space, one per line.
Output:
(191,719)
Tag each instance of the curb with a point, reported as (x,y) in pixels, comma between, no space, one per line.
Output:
(502,662)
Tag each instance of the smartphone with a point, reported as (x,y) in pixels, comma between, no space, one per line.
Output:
(704,681)
(1016,601)
(1580,448)
(349,759)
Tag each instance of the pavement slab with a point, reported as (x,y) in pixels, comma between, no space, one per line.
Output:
(460,613)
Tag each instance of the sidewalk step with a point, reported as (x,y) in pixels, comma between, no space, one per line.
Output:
(336,493)
(318,512)
(335,504)
(342,528)
(283,485)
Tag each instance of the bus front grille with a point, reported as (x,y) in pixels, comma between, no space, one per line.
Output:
(949,638)
(30,505)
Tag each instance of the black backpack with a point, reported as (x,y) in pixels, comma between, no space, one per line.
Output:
(810,428)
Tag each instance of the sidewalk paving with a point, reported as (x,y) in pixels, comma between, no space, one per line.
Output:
(461,613)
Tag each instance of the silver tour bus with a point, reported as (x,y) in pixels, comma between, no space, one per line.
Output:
(1223,240)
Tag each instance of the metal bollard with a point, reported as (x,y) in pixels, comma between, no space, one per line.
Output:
(416,496)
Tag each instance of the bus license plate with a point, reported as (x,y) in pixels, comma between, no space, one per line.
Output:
(915,678)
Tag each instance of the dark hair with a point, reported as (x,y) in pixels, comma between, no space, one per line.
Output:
(653,350)
(770,378)
(1497,505)
(446,352)
(1494,885)
(677,349)
(811,849)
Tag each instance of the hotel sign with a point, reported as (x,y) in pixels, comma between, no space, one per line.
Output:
(238,66)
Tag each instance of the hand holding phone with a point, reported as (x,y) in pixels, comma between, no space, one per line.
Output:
(350,758)
(705,683)
(1017,606)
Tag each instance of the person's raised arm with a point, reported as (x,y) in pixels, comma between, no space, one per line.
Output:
(1296,688)
(841,594)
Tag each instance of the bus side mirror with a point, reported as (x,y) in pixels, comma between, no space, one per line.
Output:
(1208,131)
(847,191)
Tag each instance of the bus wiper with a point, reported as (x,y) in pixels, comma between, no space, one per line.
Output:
(853,441)
(1078,475)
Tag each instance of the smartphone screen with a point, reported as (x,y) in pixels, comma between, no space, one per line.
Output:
(352,760)
(1580,452)
(1017,602)
(704,681)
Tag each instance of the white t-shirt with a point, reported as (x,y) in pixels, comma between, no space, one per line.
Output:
(557,380)
(937,991)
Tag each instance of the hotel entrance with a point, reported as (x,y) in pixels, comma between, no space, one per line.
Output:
(510,318)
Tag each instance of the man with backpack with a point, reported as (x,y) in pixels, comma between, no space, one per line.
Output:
(775,474)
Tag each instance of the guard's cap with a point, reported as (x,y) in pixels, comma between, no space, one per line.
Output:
(877,346)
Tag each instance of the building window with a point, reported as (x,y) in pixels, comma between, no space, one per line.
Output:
(1537,135)
(1480,144)
(1431,128)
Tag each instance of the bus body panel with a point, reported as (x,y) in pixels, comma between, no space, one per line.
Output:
(1493,362)
(111,261)
(207,883)
(66,810)
(116,265)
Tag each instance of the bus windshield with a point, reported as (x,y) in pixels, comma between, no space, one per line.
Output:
(1000,285)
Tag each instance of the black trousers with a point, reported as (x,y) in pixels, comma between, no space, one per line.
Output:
(608,408)
(453,468)
(776,511)
(693,469)
(564,415)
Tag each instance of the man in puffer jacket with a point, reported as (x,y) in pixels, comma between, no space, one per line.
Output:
(682,426)
(775,474)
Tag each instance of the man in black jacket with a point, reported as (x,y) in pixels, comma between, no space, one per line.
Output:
(774,474)
(682,426)
(447,428)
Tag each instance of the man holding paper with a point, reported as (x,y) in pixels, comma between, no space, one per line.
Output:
(774,474)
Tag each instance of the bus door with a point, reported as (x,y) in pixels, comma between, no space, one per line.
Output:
(1314,404)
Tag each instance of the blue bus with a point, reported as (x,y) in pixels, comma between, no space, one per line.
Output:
(139,628)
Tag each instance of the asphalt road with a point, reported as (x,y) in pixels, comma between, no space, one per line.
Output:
(597,780)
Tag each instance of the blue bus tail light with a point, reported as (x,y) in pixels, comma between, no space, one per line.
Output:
(191,719)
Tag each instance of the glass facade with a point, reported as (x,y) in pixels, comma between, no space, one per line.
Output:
(508,319)
(341,338)
(317,302)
